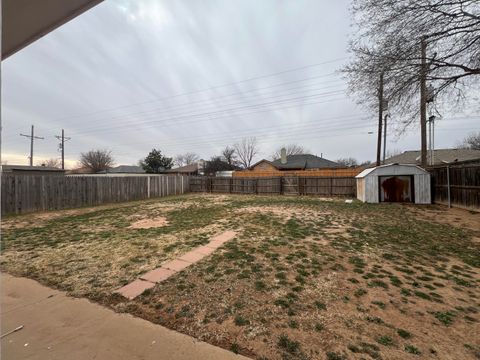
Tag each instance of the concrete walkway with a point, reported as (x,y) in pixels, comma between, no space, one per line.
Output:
(155,276)
(60,327)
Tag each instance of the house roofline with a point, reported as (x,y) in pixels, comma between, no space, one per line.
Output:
(263,160)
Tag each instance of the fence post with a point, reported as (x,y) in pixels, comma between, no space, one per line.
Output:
(17,206)
(256,186)
(281,185)
(148,187)
(448,187)
(230,185)
(44,207)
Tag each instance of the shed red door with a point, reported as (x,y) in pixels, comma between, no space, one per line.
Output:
(396,188)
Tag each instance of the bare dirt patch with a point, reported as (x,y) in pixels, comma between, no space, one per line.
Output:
(455,217)
(304,278)
(281,212)
(149,223)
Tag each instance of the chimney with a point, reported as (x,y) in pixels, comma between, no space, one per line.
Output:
(283,155)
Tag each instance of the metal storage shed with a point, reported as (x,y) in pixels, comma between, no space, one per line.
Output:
(394,183)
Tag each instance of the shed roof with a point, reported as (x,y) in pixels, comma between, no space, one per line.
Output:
(414,169)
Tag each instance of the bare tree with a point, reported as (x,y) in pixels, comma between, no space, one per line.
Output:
(347,162)
(186,159)
(55,163)
(229,156)
(246,150)
(97,160)
(472,141)
(388,35)
(292,149)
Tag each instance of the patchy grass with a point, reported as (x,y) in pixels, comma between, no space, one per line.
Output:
(304,278)
(404,333)
(385,340)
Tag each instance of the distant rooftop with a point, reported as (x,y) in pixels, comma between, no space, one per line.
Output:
(305,161)
(9,168)
(191,168)
(441,156)
(123,169)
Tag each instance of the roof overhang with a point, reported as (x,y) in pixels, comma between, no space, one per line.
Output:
(25,21)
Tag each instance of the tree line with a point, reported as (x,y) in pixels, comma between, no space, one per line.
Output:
(238,156)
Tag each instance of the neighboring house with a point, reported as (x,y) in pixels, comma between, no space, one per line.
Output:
(297,165)
(440,156)
(123,169)
(31,170)
(191,169)
(295,162)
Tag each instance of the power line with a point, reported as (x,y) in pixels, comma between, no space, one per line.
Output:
(286,137)
(162,110)
(283,132)
(304,136)
(209,113)
(207,89)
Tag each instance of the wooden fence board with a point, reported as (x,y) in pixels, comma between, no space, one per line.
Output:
(287,185)
(335,172)
(462,182)
(30,193)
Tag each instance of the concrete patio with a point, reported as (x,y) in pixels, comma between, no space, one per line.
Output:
(57,326)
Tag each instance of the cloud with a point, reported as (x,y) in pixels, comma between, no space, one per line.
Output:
(193,76)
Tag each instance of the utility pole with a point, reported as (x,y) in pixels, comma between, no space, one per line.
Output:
(431,140)
(62,139)
(384,137)
(32,137)
(423,103)
(380,118)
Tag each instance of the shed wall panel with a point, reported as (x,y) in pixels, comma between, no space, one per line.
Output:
(422,189)
(361,189)
(371,189)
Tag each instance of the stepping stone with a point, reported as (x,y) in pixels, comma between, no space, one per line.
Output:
(176,265)
(192,256)
(226,236)
(157,275)
(221,239)
(135,288)
(205,250)
(162,273)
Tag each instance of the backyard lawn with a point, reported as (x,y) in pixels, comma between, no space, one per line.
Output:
(305,278)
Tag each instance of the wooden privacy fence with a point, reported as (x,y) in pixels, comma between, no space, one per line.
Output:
(29,193)
(295,185)
(335,172)
(457,185)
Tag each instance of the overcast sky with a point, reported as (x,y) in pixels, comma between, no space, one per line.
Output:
(195,76)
